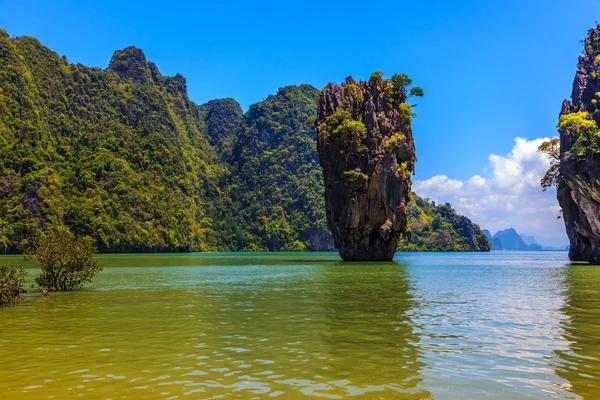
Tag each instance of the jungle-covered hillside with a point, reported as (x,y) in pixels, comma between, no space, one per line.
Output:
(123,155)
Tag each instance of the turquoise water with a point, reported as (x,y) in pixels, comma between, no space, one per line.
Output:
(428,325)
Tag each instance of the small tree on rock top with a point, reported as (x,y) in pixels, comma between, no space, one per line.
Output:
(67,262)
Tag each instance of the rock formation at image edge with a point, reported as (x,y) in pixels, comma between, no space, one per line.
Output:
(579,186)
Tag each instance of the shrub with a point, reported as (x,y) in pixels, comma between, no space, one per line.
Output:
(577,121)
(67,262)
(406,112)
(395,141)
(12,279)
(376,77)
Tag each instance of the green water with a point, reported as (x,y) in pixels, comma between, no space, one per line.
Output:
(444,326)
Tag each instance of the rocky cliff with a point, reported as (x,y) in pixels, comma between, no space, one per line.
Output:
(579,185)
(367,153)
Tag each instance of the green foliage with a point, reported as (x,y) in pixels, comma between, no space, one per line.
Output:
(395,141)
(416,91)
(340,130)
(376,76)
(274,197)
(340,127)
(404,170)
(12,275)
(221,118)
(354,92)
(440,228)
(355,176)
(552,149)
(354,99)
(578,120)
(402,84)
(586,132)
(12,280)
(407,112)
(401,81)
(67,262)
(395,91)
(121,154)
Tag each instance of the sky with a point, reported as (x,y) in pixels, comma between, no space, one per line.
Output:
(494,73)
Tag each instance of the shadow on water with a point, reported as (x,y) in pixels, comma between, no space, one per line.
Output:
(580,363)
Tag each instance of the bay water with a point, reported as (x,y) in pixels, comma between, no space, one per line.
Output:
(306,325)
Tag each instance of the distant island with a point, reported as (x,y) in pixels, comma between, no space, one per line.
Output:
(124,156)
(510,240)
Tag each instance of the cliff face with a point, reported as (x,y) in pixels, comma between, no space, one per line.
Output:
(367,153)
(579,186)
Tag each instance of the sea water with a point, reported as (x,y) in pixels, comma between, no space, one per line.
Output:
(306,325)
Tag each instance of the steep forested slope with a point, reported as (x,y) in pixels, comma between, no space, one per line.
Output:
(119,154)
(276,183)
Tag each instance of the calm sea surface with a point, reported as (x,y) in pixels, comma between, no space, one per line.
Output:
(193,326)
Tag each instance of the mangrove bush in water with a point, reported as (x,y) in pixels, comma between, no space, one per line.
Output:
(67,262)
(12,279)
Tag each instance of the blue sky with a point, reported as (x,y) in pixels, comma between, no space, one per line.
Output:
(491,70)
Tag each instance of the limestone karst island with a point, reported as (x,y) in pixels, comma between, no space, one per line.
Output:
(367,153)
(299,200)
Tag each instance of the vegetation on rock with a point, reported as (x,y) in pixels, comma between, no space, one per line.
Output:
(552,177)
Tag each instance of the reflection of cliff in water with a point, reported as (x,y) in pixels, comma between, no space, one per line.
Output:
(369,332)
(580,364)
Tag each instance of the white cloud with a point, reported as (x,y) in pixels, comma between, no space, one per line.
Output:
(509,196)
(477,181)
(441,184)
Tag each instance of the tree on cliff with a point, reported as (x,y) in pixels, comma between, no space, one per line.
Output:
(552,149)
